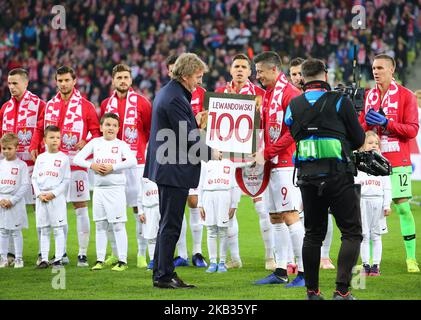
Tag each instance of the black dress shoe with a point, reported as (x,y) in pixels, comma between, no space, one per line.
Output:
(174,283)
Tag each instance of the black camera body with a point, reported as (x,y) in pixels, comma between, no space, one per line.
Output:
(372,163)
(354,93)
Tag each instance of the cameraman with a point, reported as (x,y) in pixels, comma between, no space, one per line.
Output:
(326,129)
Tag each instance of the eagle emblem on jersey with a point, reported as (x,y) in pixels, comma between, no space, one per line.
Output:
(226,170)
(69,141)
(15,171)
(114,149)
(57,163)
(274,132)
(24,137)
(131,134)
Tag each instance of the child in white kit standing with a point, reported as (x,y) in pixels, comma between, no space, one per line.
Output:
(14,183)
(50,180)
(217,202)
(375,206)
(109,198)
(148,207)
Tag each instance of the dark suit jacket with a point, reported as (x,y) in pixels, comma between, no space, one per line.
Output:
(173,155)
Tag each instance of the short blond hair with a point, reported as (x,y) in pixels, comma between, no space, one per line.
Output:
(9,138)
(186,65)
(370,133)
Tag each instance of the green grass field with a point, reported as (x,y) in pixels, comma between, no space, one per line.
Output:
(81,283)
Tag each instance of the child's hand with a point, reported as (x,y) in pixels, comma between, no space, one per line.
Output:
(5,204)
(386,212)
(142,218)
(96,167)
(106,169)
(49,196)
(231,212)
(202,213)
(42,197)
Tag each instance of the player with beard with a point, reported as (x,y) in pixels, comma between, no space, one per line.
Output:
(76,117)
(134,111)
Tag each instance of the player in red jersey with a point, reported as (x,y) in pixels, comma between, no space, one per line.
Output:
(134,111)
(283,198)
(76,117)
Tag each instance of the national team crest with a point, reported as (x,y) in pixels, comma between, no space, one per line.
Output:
(69,141)
(253,178)
(274,132)
(15,171)
(57,163)
(114,150)
(227,170)
(24,137)
(131,134)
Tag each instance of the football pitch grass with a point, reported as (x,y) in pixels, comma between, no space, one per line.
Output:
(136,284)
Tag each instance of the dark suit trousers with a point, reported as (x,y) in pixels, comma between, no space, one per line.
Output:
(340,194)
(172,201)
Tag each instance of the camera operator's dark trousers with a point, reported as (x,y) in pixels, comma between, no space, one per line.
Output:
(340,194)
(172,201)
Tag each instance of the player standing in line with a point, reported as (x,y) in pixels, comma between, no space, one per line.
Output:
(14,184)
(50,181)
(391,111)
(109,197)
(75,116)
(148,205)
(376,197)
(283,197)
(240,72)
(134,111)
(196,227)
(20,115)
(218,201)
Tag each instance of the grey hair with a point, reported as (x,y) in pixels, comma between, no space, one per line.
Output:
(186,65)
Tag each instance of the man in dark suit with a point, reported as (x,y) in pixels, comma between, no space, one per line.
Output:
(173,160)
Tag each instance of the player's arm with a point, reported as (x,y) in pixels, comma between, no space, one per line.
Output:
(102,107)
(92,120)
(409,126)
(146,116)
(38,134)
(24,186)
(1,118)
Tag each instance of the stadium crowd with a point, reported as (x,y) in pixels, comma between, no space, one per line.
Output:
(142,33)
